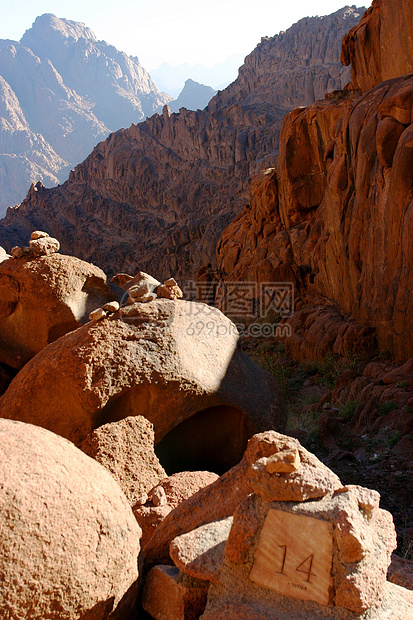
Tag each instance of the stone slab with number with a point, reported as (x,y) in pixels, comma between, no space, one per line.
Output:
(294,556)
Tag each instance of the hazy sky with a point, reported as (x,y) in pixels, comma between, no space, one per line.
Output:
(175,31)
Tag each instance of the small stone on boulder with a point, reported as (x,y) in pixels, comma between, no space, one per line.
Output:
(169,292)
(38,234)
(111,306)
(18,252)
(44,246)
(142,284)
(284,462)
(97,314)
(311,480)
(122,280)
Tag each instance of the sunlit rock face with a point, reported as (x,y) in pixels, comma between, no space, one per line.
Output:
(147,359)
(334,217)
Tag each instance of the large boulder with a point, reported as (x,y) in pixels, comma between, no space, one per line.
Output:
(177,363)
(69,543)
(43,298)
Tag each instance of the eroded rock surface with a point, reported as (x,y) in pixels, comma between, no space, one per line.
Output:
(126,449)
(380,47)
(328,218)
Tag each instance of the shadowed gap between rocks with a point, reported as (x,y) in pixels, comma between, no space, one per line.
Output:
(213,439)
(7,374)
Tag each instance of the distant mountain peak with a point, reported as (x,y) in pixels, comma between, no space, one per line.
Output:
(48,24)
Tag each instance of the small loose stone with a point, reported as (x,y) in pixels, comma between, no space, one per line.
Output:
(97,314)
(38,234)
(169,292)
(44,246)
(111,306)
(284,462)
(17,252)
(158,497)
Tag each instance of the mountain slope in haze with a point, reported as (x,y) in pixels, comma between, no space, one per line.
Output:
(171,79)
(157,196)
(121,89)
(194,96)
(68,110)
(24,154)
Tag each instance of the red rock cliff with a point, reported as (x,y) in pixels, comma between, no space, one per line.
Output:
(336,215)
(380,47)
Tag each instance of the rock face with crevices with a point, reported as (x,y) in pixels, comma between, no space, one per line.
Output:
(334,217)
(167,187)
(380,47)
(149,359)
(69,543)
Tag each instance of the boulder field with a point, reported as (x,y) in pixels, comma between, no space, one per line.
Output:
(178,363)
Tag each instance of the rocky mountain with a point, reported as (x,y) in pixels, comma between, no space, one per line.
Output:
(335,216)
(24,154)
(67,90)
(194,96)
(157,196)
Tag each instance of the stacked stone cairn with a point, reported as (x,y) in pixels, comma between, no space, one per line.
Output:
(142,288)
(41,244)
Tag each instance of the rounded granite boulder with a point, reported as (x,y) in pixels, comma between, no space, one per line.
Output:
(69,542)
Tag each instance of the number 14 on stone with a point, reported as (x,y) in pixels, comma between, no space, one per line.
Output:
(294,556)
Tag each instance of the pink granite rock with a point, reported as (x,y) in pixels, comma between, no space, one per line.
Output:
(69,544)
(200,553)
(126,449)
